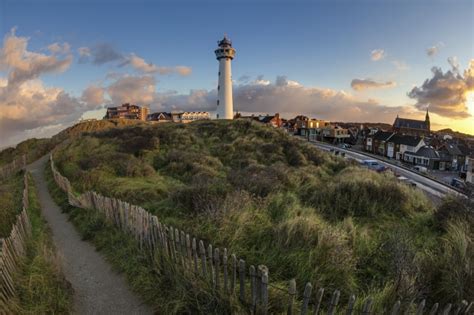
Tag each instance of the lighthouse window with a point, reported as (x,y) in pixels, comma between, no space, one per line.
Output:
(217,102)
(219,73)
(218,87)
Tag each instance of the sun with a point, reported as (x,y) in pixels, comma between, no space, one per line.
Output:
(470,101)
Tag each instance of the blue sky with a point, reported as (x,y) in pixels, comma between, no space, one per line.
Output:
(323,44)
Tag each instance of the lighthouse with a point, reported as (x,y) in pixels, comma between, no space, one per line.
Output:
(224,54)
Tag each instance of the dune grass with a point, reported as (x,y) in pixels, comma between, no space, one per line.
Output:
(276,201)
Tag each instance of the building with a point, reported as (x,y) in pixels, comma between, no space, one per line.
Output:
(334,134)
(225,53)
(273,120)
(377,143)
(456,156)
(160,117)
(398,144)
(412,127)
(178,117)
(127,111)
(470,170)
(428,157)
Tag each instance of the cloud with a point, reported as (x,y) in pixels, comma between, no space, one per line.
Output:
(433,50)
(23,65)
(99,54)
(93,96)
(363,84)
(400,65)
(377,54)
(57,48)
(136,89)
(140,65)
(445,93)
(27,106)
(287,97)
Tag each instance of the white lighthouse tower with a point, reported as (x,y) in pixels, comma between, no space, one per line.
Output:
(225,53)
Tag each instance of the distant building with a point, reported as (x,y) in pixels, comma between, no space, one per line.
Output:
(412,127)
(335,134)
(377,143)
(273,120)
(178,117)
(470,170)
(428,157)
(127,111)
(160,117)
(398,144)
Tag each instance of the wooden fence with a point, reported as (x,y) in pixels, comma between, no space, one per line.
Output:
(13,248)
(225,271)
(13,167)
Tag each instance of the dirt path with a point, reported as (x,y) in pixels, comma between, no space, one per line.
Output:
(97,289)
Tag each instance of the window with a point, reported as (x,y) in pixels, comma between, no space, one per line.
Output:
(219,73)
(217,102)
(217,116)
(218,87)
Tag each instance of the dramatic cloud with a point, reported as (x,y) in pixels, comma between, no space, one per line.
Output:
(287,97)
(377,54)
(363,84)
(446,93)
(93,96)
(433,50)
(23,65)
(26,104)
(133,89)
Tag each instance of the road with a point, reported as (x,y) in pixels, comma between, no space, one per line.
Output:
(426,184)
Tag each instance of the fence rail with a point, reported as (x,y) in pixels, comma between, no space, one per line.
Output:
(13,167)
(224,271)
(12,250)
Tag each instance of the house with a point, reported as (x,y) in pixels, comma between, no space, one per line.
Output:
(334,134)
(187,117)
(453,152)
(159,117)
(428,157)
(412,127)
(377,143)
(398,144)
(127,111)
(273,120)
(470,169)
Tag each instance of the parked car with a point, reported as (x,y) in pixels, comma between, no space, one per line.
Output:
(420,169)
(374,165)
(345,146)
(458,183)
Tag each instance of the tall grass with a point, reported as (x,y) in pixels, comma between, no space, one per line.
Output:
(276,201)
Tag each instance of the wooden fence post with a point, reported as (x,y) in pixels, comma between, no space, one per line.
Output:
(421,306)
(446,309)
(242,279)
(291,296)
(253,288)
(334,302)
(217,267)
(195,255)
(233,279)
(306,296)
(211,265)
(202,250)
(226,273)
(319,298)
(350,305)
(367,306)
(434,309)
(265,291)
(395,308)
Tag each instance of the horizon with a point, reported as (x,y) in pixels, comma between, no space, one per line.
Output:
(339,61)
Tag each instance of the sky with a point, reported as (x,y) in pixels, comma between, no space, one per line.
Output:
(364,61)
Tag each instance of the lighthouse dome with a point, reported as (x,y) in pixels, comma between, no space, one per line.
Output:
(225,42)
